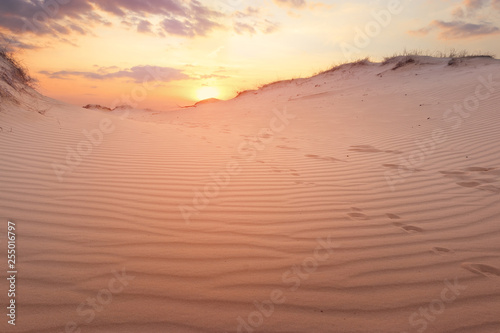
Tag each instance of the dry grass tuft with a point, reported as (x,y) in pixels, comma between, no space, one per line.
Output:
(357,63)
(16,73)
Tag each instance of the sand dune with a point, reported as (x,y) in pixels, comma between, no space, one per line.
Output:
(364,199)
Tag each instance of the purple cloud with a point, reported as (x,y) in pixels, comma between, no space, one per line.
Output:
(469,20)
(49,17)
(242,28)
(144,26)
(459,29)
(176,27)
(251,21)
(176,17)
(138,74)
(475,4)
(197,26)
(120,7)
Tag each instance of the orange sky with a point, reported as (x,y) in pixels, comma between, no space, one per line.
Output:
(163,53)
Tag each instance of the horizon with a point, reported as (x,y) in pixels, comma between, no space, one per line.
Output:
(93,52)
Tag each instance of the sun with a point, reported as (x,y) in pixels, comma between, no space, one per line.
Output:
(207,92)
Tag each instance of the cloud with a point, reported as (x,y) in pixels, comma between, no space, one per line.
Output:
(40,17)
(256,11)
(470,8)
(199,20)
(106,69)
(185,28)
(176,27)
(252,21)
(44,17)
(291,3)
(77,28)
(138,74)
(471,18)
(459,29)
(25,46)
(144,26)
(270,27)
(458,13)
(182,18)
(242,28)
(10,44)
(475,4)
(121,7)
(186,19)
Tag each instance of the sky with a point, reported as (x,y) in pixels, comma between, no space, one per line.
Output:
(161,54)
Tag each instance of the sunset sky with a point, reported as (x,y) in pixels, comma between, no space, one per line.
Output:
(174,52)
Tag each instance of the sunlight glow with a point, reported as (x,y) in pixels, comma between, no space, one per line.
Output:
(207,92)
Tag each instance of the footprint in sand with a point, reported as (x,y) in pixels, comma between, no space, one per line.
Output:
(482,269)
(395,166)
(400,167)
(408,228)
(479,169)
(487,180)
(287,147)
(490,188)
(494,172)
(466,179)
(324,158)
(452,173)
(365,149)
(405,227)
(358,216)
(468,184)
(296,174)
(442,250)
(371,149)
(411,228)
(330,159)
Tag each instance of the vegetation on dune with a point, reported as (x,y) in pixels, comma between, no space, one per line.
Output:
(14,77)
(15,72)
(356,63)
(398,60)
(408,57)
(457,60)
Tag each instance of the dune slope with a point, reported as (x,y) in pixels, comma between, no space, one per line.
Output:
(364,199)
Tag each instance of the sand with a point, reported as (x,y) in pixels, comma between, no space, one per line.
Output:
(364,199)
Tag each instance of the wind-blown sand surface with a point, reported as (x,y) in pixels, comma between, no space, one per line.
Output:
(367,206)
